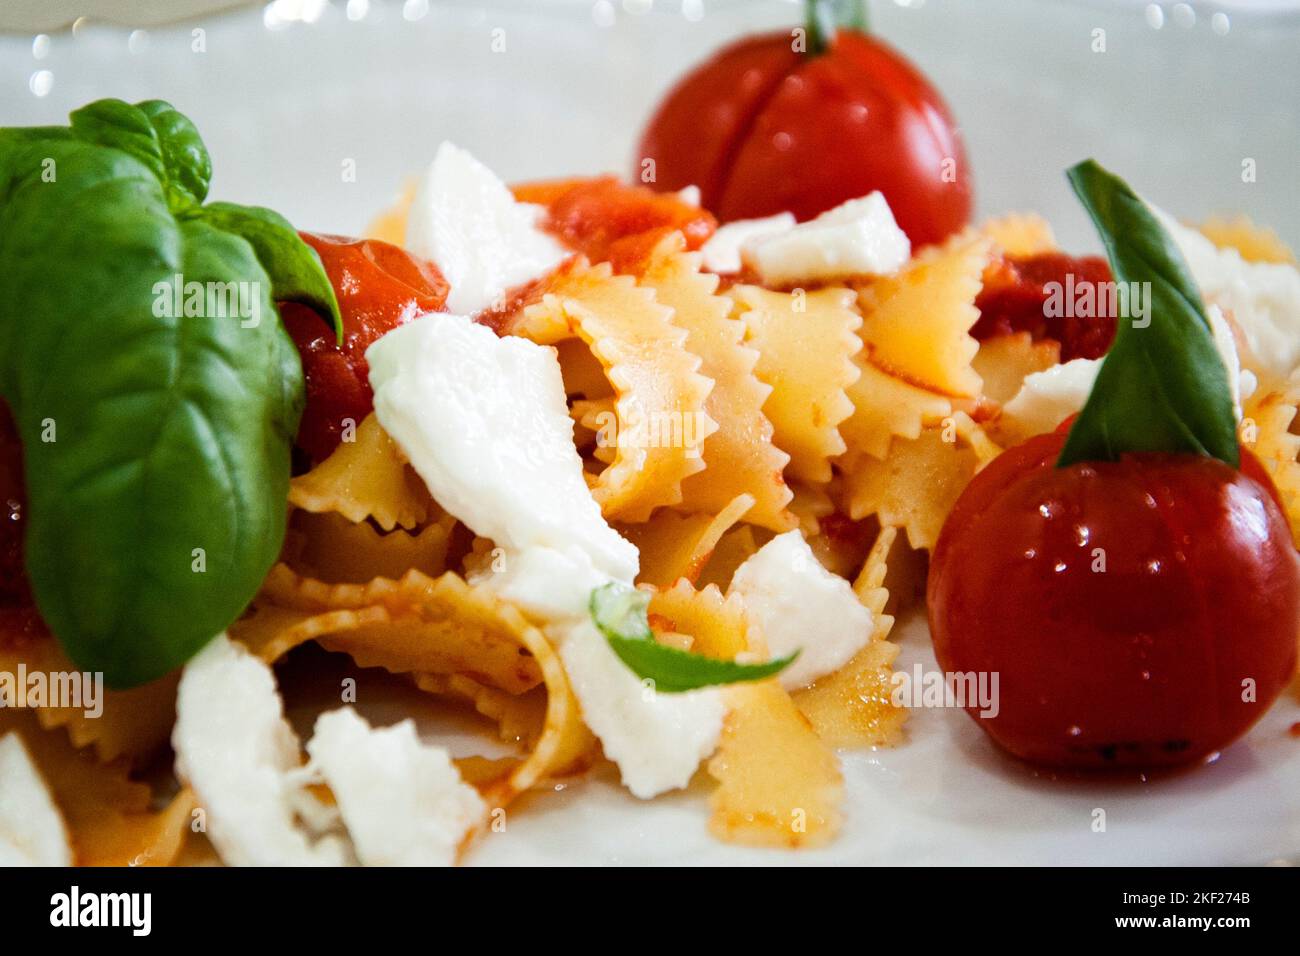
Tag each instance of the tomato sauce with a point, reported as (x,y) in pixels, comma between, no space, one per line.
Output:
(1031,294)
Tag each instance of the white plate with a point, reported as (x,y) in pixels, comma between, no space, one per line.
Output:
(288,112)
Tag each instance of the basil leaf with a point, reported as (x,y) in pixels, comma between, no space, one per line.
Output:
(1163,385)
(158,136)
(619,612)
(294,267)
(156,444)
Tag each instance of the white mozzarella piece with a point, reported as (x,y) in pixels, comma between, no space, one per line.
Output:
(484,422)
(657,740)
(859,237)
(798,605)
(467,222)
(235,749)
(31,828)
(1262,297)
(1049,397)
(403,801)
(723,252)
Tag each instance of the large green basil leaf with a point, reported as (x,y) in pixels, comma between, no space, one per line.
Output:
(156,444)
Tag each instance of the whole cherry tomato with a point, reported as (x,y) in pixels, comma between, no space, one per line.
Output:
(1138,613)
(379,286)
(761,129)
(1015,298)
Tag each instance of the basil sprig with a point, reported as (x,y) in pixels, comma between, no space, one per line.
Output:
(156,436)
(619,612)
(1163,385)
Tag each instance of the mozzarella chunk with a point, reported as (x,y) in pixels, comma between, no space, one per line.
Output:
(859,237)
(235,749)
(1049,397)
(484,422)
(403,801)
(1262,297)
(466,221)
(722,253)
(798,605)
(31,828)
(657,740)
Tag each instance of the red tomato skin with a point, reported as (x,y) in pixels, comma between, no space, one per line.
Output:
(694,135)
(1137,666)
(836,126)
(379,286)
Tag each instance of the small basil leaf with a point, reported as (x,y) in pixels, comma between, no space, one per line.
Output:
(620,613)
(294,267)
(1163,386)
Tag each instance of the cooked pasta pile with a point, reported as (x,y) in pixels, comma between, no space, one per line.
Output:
(712,414)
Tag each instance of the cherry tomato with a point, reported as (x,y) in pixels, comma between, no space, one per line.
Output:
(609,221)
(762,129)
(379,286)
(1015,299)
(1138,613)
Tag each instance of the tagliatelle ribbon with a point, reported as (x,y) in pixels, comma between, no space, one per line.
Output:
(740,457)
(451,637)
(674,546)
(806,343)
(133,723)
(366,478)
(660,391)
(916,324)
(778,782)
